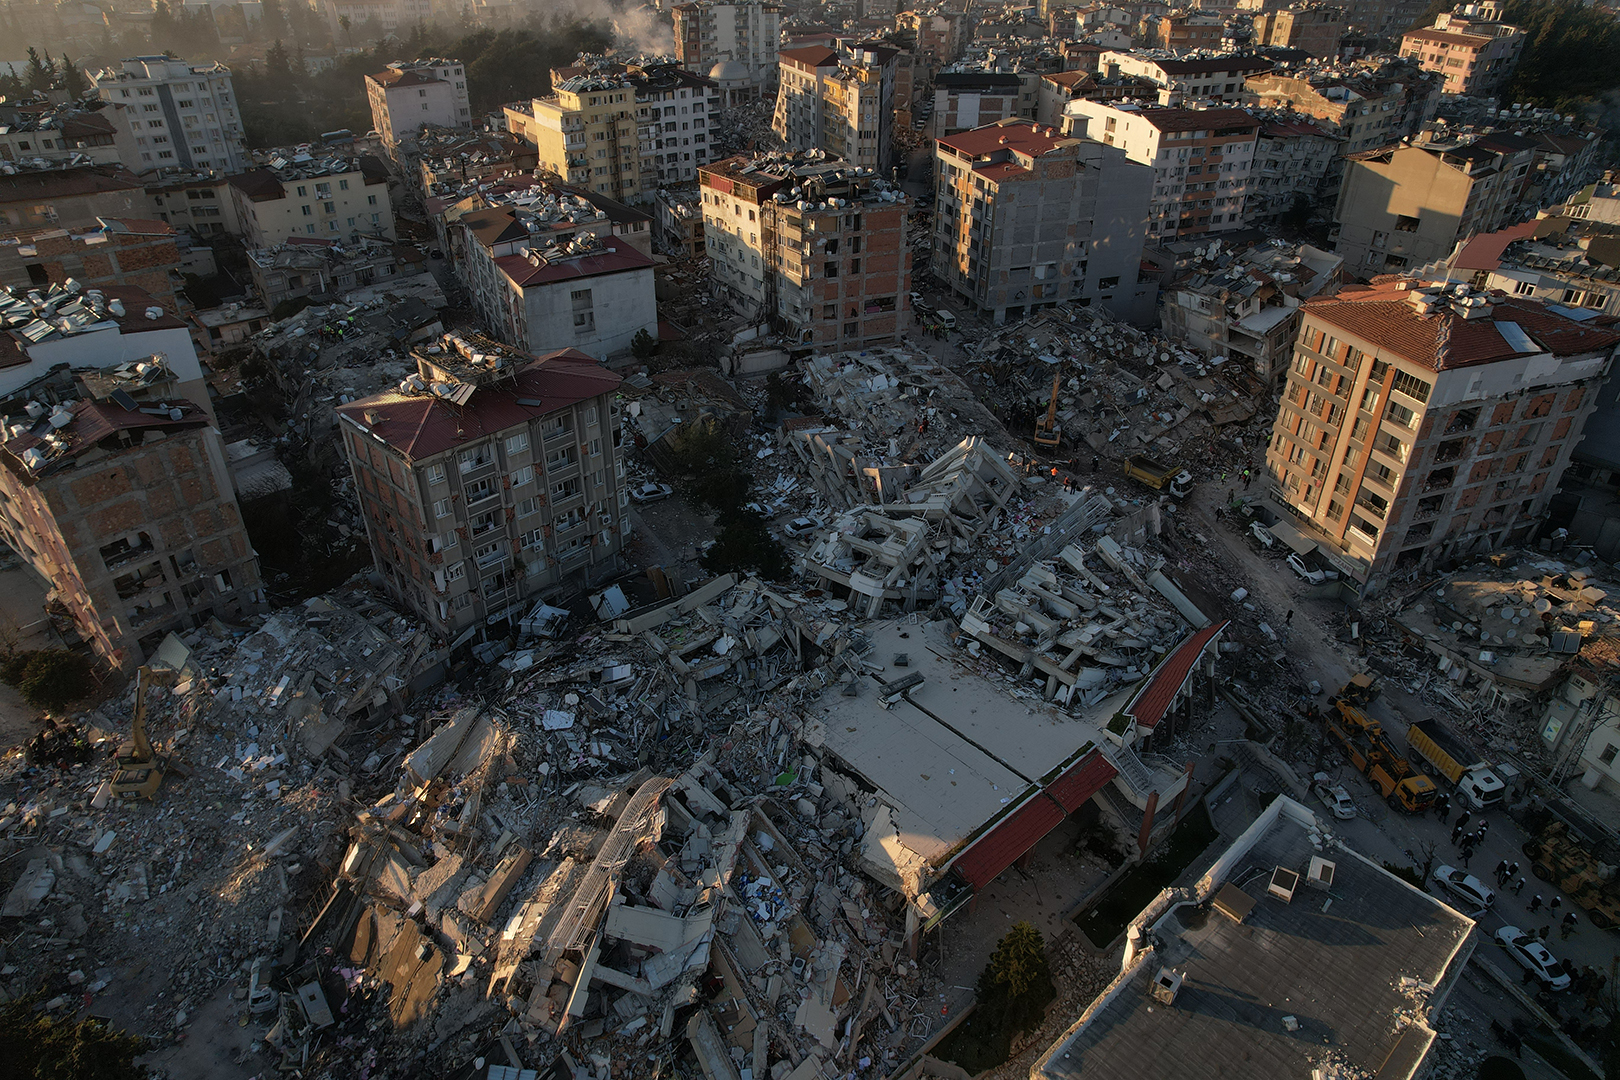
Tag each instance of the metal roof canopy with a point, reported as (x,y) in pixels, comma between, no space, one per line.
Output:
(1291,536)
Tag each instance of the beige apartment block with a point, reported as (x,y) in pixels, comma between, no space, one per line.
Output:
(488,479)
(1422,423)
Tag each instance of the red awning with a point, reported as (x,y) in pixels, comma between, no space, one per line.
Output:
(1021,830)
(1154,699)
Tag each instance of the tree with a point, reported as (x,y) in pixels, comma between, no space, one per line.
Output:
(73,79)
(34,1045)
(346,24)
(1017,978)
(49,679)
(643,344)
(744,544)
(41,74)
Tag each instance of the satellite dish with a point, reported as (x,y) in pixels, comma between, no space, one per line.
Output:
(1543,606)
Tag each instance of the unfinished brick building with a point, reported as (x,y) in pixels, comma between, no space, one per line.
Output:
(131,516)
(815,245)
(118,251)
(1423,423)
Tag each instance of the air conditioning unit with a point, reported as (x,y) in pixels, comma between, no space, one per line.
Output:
(1283,883)
(1320,874)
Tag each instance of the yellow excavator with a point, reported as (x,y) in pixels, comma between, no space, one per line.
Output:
(1047,433)
(140,770)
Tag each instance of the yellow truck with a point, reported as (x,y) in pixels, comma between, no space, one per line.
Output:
(1171,479)
(1370,751)
(1476,781)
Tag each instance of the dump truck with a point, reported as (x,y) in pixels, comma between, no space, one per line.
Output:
(1155,474)
(1563,857)
(1371,752)
(1476,781)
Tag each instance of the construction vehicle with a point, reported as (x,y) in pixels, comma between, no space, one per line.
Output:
(140,771)
(1562,856)
(1360,690)
(1475,782)
(1373,755)
(1047,433)
(1169,478)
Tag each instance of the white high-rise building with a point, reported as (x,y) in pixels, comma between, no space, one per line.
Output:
(404,96)
(179,116)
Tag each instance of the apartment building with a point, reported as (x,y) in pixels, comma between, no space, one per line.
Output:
(708,34)
(1245,305)
(1310,28)
(1026,218)
(964,100)
(622,132)
(408,94)
(178,116)
(1202,161)
(1059,88)
(488,479)
(388,16)
(1216,78)
(1368,109)
(1294,160)
(842,104)
(1421,423)
(1469,46)
(816,247)
(117,251)
(293,193)
(939,35)
(1182,31)
(130,514)
(55,336)
(199,203)
(1408,206)
(325,270)
(69,196)
(1559,260)
(65,132)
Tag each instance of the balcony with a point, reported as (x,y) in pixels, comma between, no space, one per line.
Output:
(126,550)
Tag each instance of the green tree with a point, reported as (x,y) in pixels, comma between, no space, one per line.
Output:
(41,74)
(346,24)
(744,544)
(1017,978)
(73,79)
(49,679)
(35,1045)
(643,344)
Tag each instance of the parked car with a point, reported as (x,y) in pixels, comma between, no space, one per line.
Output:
(1534,957)
(651,492)
(1465,887)
(1334,797)
(1262,534)
(1297,564)
(801,525)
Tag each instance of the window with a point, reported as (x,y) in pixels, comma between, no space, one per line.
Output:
(527,507)
(523,476)
(533,540)
(371,200)
(455,571)
(435,474)
(1608,755)
(441,508)
(596,448)
(476,458)
(1400,414)
(1411,386)
(517,443)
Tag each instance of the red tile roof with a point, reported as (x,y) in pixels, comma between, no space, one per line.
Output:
(1169,118)
(611,261)
(1384,316)
(138,226)
(1021,830)
(1153,700)
(419,426)
(94,421)
(1484,251)
(1024,137)
(393,77)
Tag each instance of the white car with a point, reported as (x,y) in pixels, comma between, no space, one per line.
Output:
(1474,893)
(1533,956)
(801,525)
(1314,575)
(1334,797)
(651,492)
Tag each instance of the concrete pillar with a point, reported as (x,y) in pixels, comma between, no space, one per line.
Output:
(1181,798)
(1147,824)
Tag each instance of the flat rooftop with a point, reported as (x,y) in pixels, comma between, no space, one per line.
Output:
(1342,966)
(958,752)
